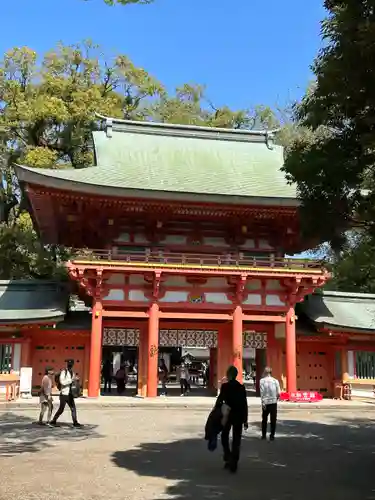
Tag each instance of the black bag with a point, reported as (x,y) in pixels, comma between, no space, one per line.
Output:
(75,389)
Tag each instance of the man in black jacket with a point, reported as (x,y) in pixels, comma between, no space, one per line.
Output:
(233,394)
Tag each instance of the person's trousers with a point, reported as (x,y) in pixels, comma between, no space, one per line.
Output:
(46,405)
(270,410)
(66,400)
(232,454)
(107,384)
(184,385)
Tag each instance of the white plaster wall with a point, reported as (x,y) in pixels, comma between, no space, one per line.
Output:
(136,279)
(249,244)
(215,241)
(217,298)
(253,299)
(351,370)
(137,296)
(274,300)
(115,295)
(116,279)
(140,238)
(254,285)
(124,238)
(216,283)
(273,285)
(176,239)
(175,281)
(174,296)
(16,357)
(264,245)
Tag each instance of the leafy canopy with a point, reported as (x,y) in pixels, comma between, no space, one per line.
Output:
(333,160)
(47,115)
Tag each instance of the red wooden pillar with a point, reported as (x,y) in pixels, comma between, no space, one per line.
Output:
(26,353)
(152,351)
(291,355)
(223,356)
(142,364)
(95,349)
(237,342)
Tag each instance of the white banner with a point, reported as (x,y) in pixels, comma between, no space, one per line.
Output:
(26,375)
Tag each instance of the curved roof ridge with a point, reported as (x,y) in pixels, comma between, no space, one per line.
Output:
(190,130)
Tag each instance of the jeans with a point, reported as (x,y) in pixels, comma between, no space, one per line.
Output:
(66,400)
(184,385)
(232,455)
(272,411)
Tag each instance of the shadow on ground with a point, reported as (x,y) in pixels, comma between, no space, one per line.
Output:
(308,460)
(21,434)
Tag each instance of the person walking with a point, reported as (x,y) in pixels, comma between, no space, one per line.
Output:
(269,394)
(163,375)
(233,395)
(69,389)
(184,379)
(45,397)
(107,374)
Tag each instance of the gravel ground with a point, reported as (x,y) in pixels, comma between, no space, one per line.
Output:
(160,454)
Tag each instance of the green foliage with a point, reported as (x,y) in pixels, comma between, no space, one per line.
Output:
(23,256)
(354,269)
(48,109)
(334,160)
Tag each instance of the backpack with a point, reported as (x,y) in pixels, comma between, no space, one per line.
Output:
(57,380)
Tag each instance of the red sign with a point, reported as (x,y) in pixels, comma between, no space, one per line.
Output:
(301,396)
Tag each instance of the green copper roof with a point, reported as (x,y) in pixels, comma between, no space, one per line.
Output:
(32,301)
(141,158)
(341,310)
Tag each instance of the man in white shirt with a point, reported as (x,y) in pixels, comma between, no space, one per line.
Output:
(66,379)
(269,394)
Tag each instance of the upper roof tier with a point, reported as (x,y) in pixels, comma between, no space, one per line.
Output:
(144,159)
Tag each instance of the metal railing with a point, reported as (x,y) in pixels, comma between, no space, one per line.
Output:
(197,260)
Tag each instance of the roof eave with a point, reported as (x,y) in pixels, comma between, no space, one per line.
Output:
(30,176)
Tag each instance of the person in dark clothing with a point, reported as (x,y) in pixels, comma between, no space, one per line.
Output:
(107,373)
(66,380)
(233,394)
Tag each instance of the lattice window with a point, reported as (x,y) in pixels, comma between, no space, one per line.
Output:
(365,365)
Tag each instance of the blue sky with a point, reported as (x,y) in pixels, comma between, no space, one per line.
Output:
(247,52)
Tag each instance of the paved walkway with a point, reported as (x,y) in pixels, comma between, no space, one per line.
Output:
(193,402)
(132,454)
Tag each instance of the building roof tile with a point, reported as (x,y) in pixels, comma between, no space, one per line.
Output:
(341,310)
(23,301)
(159,158)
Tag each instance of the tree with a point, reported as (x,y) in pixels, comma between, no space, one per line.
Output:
(333,160)
(354,269)
(47,115)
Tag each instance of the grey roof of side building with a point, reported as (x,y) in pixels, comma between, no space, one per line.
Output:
(153,161)
(32,301)
(345,310)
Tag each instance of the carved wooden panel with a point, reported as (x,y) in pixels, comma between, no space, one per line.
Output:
(255,340)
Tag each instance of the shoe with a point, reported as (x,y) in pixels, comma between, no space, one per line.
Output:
(263,438)
(182,395)
(77,424)
(53,423)
(233,468)
(272,438)
(40,423)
